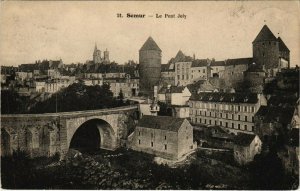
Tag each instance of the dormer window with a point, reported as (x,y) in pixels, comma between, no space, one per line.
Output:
(210,97)
(246,99)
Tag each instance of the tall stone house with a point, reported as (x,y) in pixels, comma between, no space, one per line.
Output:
(163,136)
(232,111)
(245,147)
(149,66)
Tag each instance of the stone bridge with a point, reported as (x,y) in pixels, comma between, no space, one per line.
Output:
(50,133)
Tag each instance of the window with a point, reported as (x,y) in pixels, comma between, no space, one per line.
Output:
(200,120)
(139,141)
(165,147)
(245,127)
(246,118)
(203,71)
(221,115)
(205,121)
(215,122)
(232,116)
(239,108)
(226,124)
(226,116)
(178,77)
(252,109)
(151,144)
(139,133)
(239,126)
(232,125)
(220,123)
(210,122)
(205,113)
(252,119)
(239,117)
(245,108)
(209,113)
(251,128)
(165,137)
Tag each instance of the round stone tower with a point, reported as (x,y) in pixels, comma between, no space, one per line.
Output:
(149,66)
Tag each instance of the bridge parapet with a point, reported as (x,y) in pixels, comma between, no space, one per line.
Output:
(48,133)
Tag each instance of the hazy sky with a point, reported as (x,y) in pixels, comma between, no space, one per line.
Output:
(51,30)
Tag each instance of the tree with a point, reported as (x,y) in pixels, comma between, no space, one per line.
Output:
(78,97)
(121,97)
(11,102)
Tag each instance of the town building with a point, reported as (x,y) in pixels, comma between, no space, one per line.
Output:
(149,66)
(232,111)
(234,71)
(128,86)
(217,67)
(163,136)
(174,95)
(270,52)
(167,75)
(201,69)
(245,147)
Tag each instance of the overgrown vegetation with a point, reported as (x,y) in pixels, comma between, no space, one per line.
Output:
(126,169)
(78,97)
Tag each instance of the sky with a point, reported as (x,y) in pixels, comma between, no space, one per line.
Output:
(31,30)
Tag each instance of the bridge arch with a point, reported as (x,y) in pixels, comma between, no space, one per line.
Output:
(93,133)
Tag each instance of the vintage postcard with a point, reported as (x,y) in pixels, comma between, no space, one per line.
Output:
(146,95)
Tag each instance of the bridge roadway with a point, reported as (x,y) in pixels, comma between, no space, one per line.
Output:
(49,133)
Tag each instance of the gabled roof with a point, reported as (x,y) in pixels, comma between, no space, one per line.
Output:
(218,63)
(161,122)
(199,63)
(282,46)
(150,44)
(243,139)
(225,97)
(239,61)
(265,34)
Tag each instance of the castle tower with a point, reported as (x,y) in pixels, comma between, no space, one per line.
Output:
(149,66)
(97,55)
(106,55)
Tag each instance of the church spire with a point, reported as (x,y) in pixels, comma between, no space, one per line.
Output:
(95,49)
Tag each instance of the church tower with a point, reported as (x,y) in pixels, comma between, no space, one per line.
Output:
(97,55)
(149,66)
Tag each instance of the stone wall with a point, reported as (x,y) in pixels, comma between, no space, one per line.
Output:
(47,134)
(149,69)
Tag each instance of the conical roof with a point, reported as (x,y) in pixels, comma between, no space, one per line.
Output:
(282,46)
(150,44)
(265,34)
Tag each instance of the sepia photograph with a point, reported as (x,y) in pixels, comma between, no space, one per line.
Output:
(150,95)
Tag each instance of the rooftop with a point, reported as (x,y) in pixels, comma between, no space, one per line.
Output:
(150,44)
(161,122)
(265,34)
(243,139)
(225,97)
